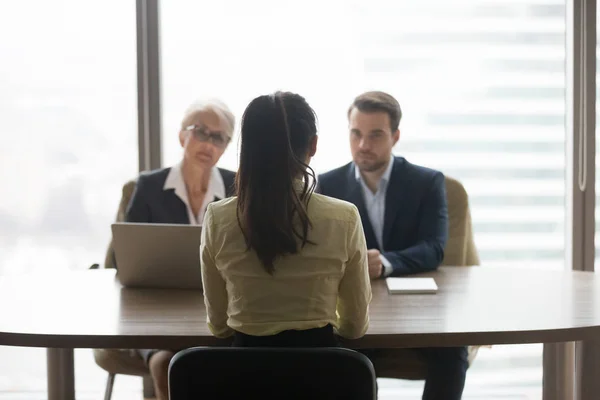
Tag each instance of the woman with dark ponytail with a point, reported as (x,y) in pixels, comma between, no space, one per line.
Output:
(282,265)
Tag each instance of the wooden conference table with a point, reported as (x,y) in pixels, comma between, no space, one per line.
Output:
(474,306)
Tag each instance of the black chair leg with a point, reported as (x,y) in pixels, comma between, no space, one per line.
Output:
(110,382)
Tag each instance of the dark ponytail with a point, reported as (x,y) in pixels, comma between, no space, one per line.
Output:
(277,132)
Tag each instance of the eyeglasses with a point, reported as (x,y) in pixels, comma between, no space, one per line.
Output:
(201,134)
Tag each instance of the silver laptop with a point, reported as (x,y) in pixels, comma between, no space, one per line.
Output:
(165,256)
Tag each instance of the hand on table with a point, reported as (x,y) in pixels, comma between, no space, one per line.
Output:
(375,265)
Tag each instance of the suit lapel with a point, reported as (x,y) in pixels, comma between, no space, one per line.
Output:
(176,207)
(355,196)
(393,200)
(229,182)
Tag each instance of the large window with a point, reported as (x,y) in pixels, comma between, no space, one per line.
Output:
(68,129)
(481,84)
(68,142)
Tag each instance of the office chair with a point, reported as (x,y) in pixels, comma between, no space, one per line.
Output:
(460,251)
(209,373)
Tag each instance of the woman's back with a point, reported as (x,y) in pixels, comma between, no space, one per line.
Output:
(303,291)
(278,258)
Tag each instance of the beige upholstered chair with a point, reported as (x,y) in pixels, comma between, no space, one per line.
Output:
(116,361)
(128,189)
(460,251)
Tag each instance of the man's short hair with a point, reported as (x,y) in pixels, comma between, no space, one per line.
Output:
(376,101)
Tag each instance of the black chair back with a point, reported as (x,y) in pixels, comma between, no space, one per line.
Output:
(209,373)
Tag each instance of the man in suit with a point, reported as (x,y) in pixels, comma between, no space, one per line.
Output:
(405,218)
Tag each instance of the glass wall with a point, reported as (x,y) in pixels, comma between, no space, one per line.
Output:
(68,142)
(481,84)
(482,87)
(68,129)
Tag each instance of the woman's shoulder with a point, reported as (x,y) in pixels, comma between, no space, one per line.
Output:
(226,174)
(331,208)
(153,179)
(225,207)
(155,174)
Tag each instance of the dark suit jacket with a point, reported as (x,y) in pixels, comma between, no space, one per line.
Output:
(151,203)
(416,214)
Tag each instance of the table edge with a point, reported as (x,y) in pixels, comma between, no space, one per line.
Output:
(405,340)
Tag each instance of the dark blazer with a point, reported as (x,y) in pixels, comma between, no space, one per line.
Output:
(151,203)
(416,214)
